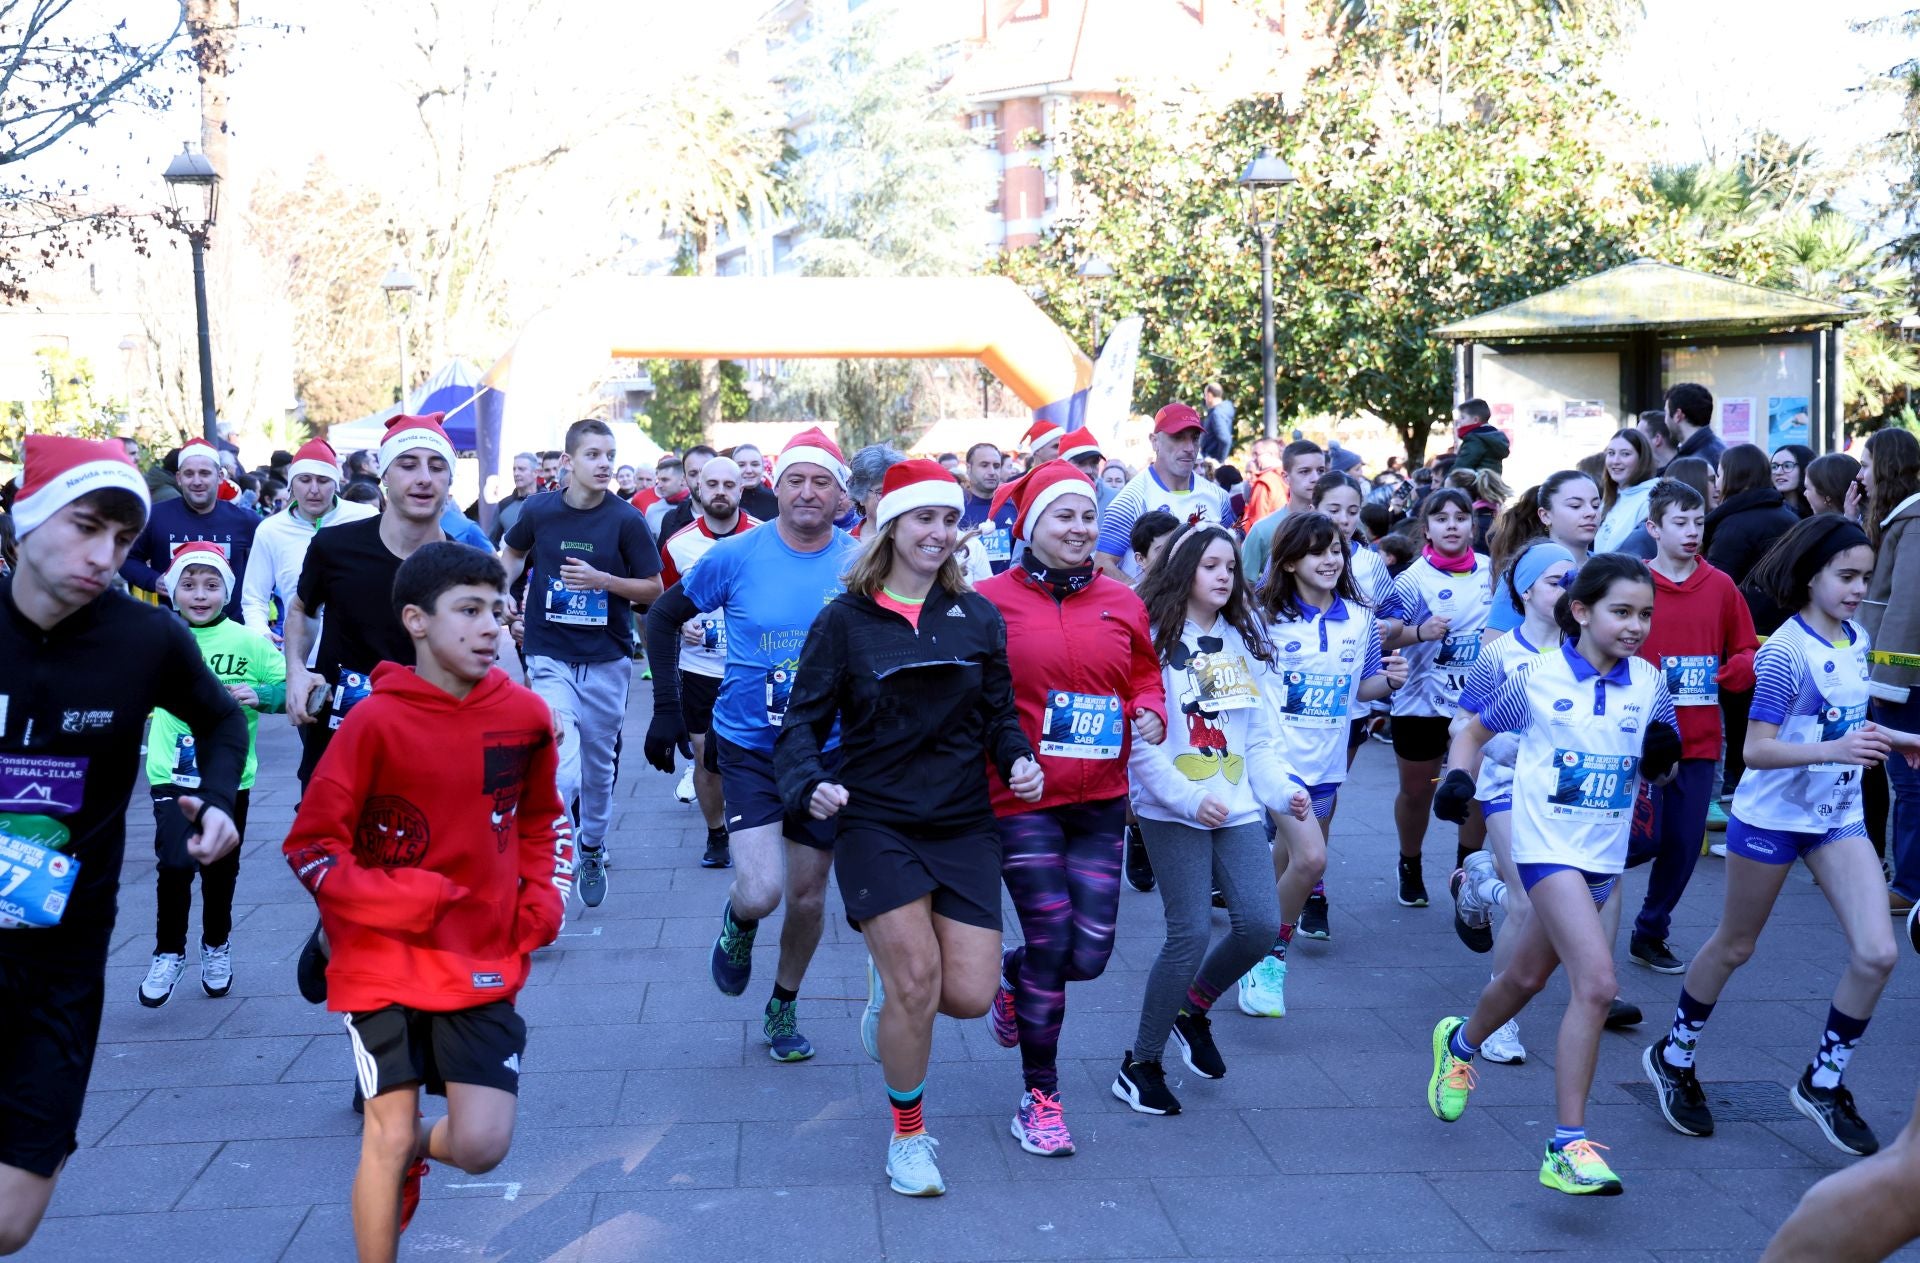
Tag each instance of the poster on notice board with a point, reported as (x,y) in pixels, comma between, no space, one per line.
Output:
(1736,421)
(1787,421)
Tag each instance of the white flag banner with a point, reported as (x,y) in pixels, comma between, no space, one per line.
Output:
(1110,398)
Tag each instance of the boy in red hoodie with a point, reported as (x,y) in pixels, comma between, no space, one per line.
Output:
(434,841)
(1702,638)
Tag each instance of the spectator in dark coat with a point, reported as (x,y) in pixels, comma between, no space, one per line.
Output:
(1216,432)
(1752,513)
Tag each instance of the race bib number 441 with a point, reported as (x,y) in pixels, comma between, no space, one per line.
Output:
(1082,726)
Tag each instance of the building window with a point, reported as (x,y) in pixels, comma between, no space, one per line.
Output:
(1027,11)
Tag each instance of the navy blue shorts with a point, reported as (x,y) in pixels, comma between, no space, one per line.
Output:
(1321,796)
(753,797)
(1778,846)
(1599,885)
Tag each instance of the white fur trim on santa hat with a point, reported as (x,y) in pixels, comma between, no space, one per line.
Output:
(1038,435)
(807,455)
(201,448)
(922,493)
(200,553)
(411,437)
(314,457)
(1045,497)
(44,492)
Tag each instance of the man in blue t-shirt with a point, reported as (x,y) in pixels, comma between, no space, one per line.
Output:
(771,583)
(593,560)
(984,471)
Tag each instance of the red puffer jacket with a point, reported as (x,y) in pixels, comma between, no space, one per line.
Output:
(1095,644)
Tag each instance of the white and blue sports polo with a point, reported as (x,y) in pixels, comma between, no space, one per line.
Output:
(1437,669)
(1578,766)
(1497,662)
(1313,684)
(1815,691)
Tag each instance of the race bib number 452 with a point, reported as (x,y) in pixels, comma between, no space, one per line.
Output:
(1690,678)
(35,884)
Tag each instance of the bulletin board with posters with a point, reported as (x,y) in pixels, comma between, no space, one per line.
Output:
(1556,404)
(1763,391)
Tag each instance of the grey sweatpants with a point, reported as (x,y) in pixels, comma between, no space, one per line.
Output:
(589,703)
(1187,860)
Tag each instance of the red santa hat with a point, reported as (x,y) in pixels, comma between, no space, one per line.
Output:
(916,484)
(199,552)
(1081,442)
(812,447)
(405,433)
(316,457)
(1038,435)
(198,448)
(1033,492)
(61,470)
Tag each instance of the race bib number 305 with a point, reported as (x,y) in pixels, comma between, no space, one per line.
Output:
(35,884)
(1593,786)
(1690,678)
(1082,726)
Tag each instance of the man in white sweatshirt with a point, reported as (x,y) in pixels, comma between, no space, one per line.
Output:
(280,543)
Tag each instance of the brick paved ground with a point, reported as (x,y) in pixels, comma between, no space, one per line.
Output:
(653,1125)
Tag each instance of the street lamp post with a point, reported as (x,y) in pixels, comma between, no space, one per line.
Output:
(194,188)
(1095,273)
(1266,174)
(399,286)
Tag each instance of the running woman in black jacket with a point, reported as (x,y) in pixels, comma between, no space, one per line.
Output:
(913,667)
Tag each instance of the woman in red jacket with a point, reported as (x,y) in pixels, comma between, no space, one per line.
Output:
(1083,667)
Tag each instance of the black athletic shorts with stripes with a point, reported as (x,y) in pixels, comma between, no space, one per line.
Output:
(395,1046)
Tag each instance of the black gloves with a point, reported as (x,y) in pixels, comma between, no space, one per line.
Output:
(1660,751)
(667,731)
(1454,799)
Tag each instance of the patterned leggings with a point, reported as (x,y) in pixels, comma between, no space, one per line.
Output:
(1062,867)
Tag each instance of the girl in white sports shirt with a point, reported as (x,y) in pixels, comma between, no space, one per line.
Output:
(1808,746)
(1592,719)
(1327,663)
(1532,585)
(1565,509)
(1440,602)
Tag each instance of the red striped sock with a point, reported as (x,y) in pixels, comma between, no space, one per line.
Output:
(907,1120)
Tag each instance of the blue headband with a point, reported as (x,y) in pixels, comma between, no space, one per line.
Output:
(1535,562)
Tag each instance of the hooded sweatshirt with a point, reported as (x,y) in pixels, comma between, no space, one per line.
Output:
(1702,640)
(435,843)
(1222,739)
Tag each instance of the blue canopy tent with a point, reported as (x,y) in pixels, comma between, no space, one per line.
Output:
(451,390)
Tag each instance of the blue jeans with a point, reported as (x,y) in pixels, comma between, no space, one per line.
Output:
(1903,821)
(1680,824)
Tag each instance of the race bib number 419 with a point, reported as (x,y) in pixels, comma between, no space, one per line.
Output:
(1593,786)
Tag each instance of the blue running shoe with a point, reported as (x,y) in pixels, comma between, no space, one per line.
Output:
(732,962)
(870,1018)
(784,1040)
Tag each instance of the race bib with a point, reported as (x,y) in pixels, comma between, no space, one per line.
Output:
(35,884)
(1593,786)
(779,690)
(1836,722)
(1315,700)
(713,634)
(1690,678)
(1458,652)
(998,542)
(186,762)
(42,784)
(1082,726)
(1224,682)
(575,609)
(353,689)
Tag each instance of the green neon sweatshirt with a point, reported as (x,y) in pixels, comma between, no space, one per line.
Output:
(236,656)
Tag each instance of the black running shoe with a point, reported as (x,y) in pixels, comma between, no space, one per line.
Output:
(717,854)
(1832,1109)
(1682,1102)
(1656,955)
(1478,938)
(1313,919)
(1143,1086)
(1219,897)
(1622,1013)
(311,971)
(1413,889)
(1194,1033)
(1139,866)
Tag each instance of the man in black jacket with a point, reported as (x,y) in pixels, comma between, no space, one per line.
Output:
(1690,418)
(84,667)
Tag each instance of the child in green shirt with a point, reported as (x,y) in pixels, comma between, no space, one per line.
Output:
(200,582)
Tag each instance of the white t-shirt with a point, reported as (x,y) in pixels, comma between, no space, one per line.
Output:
(1815,692)
(1577,769)
(1145,493)
(1313,685)
(1496,663)
(1437,669)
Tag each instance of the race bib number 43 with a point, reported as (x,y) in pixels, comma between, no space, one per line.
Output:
(35,884)
(575,609)
(1082,726)
(1593,786)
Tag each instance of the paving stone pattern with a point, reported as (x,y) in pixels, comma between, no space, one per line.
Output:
(653,1125)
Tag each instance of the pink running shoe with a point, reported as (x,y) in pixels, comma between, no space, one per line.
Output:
(1006,1026)
(1039,1128)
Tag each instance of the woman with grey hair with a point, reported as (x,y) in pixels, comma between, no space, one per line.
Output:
(865,471)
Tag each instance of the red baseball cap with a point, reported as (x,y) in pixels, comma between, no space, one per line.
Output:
(1175,418)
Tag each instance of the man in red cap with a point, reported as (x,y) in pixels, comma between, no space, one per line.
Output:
(280,542)
(199,514)
(84,666)
(1168,483)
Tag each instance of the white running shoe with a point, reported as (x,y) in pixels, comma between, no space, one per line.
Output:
(910,1166)
(216,969)
(1474,910)
(165,971)
(1263,992)
(1503,1045)
(684,790)
(1718,848)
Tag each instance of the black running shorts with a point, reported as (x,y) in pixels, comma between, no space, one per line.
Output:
(395,1046)
(697,696)
(753,798)
(1420,738)
(880,869)
(47,1035)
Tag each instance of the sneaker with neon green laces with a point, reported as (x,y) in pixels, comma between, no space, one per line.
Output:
(1579,1169)
(1263,992)
(1453,1079)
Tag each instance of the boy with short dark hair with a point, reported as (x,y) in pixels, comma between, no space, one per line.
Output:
(253,672)
(1148,539)
(1479,444)
(1701,639)
(434,841)
(1302,465)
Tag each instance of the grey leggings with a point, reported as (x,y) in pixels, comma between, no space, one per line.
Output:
(1187,861)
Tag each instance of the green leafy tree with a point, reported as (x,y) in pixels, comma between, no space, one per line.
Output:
(673,418)
(69,404)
